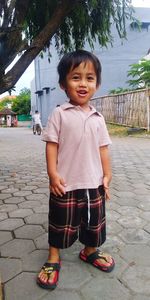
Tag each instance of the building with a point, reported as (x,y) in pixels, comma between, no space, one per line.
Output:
(45,92)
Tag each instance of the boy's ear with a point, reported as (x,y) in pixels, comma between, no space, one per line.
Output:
(98,86)
(62,86)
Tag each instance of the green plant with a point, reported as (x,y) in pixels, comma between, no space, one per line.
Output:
(140,74)
(118,90)
(22,103)
(5,103)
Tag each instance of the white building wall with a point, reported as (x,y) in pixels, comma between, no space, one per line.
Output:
(115,65)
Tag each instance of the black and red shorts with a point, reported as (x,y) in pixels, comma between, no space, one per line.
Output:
(68,218)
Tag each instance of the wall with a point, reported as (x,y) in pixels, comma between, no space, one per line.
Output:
(115,64)
(131,109)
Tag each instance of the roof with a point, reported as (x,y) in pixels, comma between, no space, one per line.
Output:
(11,98)
(6,111)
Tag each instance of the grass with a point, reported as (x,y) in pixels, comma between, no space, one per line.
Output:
(117,130)
(121,131)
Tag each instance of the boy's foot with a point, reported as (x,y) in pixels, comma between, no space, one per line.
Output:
(98,259)
(49,275)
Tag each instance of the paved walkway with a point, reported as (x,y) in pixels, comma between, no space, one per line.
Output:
(23,224)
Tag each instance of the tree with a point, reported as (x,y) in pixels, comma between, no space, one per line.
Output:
(5,103)
(22,103)
(118,90)
(140,74)
(27,27)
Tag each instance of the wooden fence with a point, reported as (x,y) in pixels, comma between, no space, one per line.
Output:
(130,109)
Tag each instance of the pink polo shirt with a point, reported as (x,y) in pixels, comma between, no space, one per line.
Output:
(79,135)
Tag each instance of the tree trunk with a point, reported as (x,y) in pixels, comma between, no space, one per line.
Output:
(12,76)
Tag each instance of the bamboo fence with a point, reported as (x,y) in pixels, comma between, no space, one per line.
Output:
(130,109)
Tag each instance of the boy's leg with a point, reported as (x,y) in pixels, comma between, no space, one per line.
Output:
(63,231)
(93,235)
(105,258)
(53,257)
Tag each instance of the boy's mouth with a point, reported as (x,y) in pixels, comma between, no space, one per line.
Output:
(82,92)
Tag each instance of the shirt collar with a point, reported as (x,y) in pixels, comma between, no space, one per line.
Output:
(68,105)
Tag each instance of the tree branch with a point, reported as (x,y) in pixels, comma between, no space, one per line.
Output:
(12,76)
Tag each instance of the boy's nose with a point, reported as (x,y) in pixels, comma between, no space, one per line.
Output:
(83,82)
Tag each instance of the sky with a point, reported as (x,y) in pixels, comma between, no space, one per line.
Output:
(141,3)
(26,78)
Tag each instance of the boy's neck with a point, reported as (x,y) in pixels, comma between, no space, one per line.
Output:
(85,107)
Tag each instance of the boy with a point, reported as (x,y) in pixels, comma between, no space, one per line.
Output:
(78,167)
(36,121)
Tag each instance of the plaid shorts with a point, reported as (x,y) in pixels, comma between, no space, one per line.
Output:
(68,218)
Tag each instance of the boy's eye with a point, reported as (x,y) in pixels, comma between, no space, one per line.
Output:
(91,78)
(75,77)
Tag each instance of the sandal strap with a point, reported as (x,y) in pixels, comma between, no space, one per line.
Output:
(50,267)
(96,255)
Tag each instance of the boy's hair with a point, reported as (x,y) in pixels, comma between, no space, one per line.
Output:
(72,60)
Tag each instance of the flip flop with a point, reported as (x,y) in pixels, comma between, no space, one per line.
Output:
(47,269)
(92,259)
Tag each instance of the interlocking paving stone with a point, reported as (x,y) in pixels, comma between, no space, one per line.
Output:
(17,248)
(134,236)
(145,205)
(136,254)
(10,268)
(24,287)
(41,191)
(5,237)
(129,211)
(21,213)
(41,209)
(11,224)
(41,242)
(45,225)
(10,190)
(63,295)
(126,201)
(112,215)
(145,215)
(37,219)
(28,231)
(5,196)
(18,185)
(8,207)
(113,228)
(22,193)
(113,243)
(34,261)
(37,197)
(29,188)
(138,279)
(79,276)
(3,216)
(29,204)
(140,297)
(147,228)
(135,222)
(106,289)
(130,198)
(14,200)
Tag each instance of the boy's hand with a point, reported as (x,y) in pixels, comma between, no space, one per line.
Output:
(57,185)
(106,187)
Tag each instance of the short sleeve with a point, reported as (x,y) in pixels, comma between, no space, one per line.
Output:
(52,129)
(104,135)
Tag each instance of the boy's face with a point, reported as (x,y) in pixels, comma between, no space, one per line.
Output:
(81,84)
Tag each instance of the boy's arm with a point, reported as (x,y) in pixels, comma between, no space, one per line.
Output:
(57,184)
(106,166)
